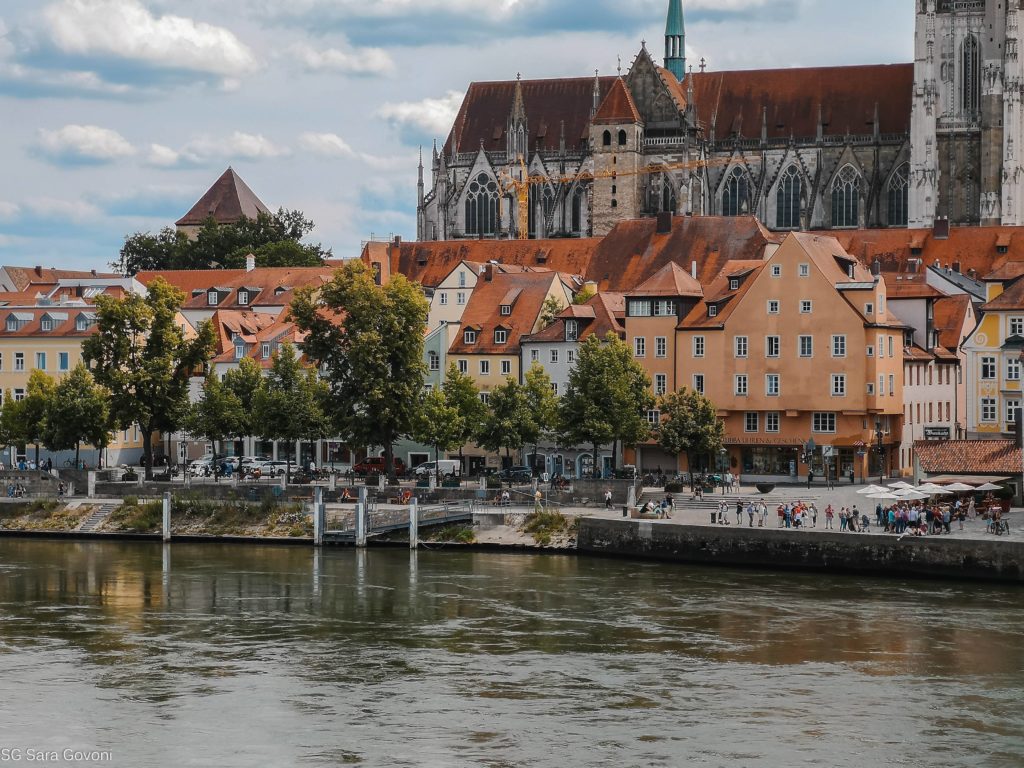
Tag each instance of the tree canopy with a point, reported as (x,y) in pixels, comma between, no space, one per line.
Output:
(276,240)
(438,423)
(510,421)
(78,413)
(690,425)
(462,394)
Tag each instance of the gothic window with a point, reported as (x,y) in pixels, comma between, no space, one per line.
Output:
(531,215)
(577,211)
(668,196)
(846,197)
(622,138)
(735,197)
(970,77)
(607,138)
(482,206)
(899,186)
(787,200)
(521,142)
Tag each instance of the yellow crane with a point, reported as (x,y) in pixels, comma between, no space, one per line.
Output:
(521,187)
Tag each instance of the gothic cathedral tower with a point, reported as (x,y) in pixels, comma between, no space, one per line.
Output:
(966,126)
(675,40)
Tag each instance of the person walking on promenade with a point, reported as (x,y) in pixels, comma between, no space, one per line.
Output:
(723,513)
(810,477)
(814,515)
(608,499)
(729,481)
(852,477)
(764,514)
(829,516)
(854,519)
(788,516)
(947,518)
(879,515)
(750,514)
(843,519)
(739,511)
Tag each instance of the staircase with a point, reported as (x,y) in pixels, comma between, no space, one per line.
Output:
(97,518)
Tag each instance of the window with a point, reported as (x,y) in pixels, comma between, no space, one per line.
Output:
(806,307)
(654,418)
(892,385)
(838,385)
(12,323)
(712,310)
(554,355)
(639,346)
(871,389)
(433,359)
(463,366)
(622,138)
(469,337)
(970,77)
(773,306)
(1012,409)
(485,398)
(787,200)
(772,384)
(988,368)
(572,330)
(734,284)
(898,196)
(735,198)
(46,324)
(570,356)
(243,298)
(239,351)
(41,361)
(660,383)
(81,324)
(443,296)
(265,352)
(485,367)
(212,298)
(428,387)
(846,197)
(19,361)
(660,346)
(63,361)
(1012,369)
(870,351)
(534,355)
(740,384)
(838,346)
(554,388)
(606,139)
(805,270)
(1,361)
(639,308)
(460,298)
(823,422)
(776,270)
(881,387)
(869,309)
(698,383)
(752,423)
(506,310)
(506,367)
(881,347)
(500,337)
(462,279)
(482,206)
(771,422)
(772,346)
(806,346)
(988,409)
(891,353)
(740,346)
(664,308)
(1017,326)
(19,395)
(698,346)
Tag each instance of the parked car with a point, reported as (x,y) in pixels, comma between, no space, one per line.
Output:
(516,474)
(447,468)
(375,465)
(274,468)
(201,467)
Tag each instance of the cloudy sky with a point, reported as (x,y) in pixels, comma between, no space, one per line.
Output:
(116,115)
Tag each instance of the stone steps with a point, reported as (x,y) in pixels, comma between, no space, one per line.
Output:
(97,518)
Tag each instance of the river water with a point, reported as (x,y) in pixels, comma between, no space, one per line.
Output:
(259,656)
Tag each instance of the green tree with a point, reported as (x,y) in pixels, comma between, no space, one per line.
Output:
(543,404)
(79,413)
(438,425)
(288,406)
(244,382)
(462,394)
(368,339)
(586,294)
(606,398)
(690,426)
(11,417)
(217,415)
(141,355)
(35,422)
(549,310)
(510,421)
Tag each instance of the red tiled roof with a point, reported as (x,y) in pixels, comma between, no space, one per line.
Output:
(670,280)
(618,106)
(975,457)
(483,117)
(719,293)
(951,314)
(1011,298)
(483,312)
(31,322)
(266,279)
(25,277)
(599,315)
(733,103)
(227,202)
(908,286)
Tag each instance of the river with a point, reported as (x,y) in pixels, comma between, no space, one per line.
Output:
(276,657)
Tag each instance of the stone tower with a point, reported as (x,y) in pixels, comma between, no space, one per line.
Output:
(616,139)
(675,40)
(966,120)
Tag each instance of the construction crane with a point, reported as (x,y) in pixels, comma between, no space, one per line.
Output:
(521,187)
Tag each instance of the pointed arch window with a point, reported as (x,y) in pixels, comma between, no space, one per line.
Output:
(736,195)
(607,140)
(549,210)
(668,195)
(846,197)
(970,76)
(622,138)
(482,207)
(787,199)
(577,211)
(898,196)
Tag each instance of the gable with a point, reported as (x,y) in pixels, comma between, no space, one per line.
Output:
(651,94)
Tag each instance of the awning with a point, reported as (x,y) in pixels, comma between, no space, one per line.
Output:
(966,479)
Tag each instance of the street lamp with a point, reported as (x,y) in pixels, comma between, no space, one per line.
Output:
(722,453)
(881,449)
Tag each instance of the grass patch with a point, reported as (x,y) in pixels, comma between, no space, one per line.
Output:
(135,517)
(42,515)
(458,534)
(545,524)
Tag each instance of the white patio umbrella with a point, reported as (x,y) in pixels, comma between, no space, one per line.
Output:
(934,490)
(959,487)
(873,489)
(988,487)
(901,485)
(911,494)
(885,496)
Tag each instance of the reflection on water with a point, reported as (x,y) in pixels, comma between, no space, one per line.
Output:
(233,656)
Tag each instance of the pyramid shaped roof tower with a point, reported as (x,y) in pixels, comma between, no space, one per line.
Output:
(227,202)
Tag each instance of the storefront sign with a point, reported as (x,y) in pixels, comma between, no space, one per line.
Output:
(937,433)
(775,442)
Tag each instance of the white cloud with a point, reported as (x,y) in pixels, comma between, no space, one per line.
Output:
(434,116)
(83,143)
(332,145)
(162,157)
(9,210)
(354,61)
(239,145)
(54,208)
(126,29)
(6,46)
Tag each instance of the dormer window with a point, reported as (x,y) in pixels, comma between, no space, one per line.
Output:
(506,310)
(712,310)
(239,351)
(572,330)
(81,324)
(850,271)
(212,298)
(500,337)
(46,324)
(734,284)
(12,323)
(243,298)
(265,350)
(469,337)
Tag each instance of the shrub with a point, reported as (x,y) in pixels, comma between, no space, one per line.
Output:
(544,524)
(673,487)
(131,501)
(493,482)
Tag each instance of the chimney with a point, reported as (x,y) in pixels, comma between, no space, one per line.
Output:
(93,272)
(250,262)
(956,267)
(398,241)
(941,228)
(488,272)
(664,225)
(39,271)
(876,267)
(693,269)
(972,273)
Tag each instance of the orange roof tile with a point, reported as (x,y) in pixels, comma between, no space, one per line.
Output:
(483,312)
(599,315)
(228,201)
(951,314)
(909,286)
(670,280)
(618,106)
(1010,299)
(975,457)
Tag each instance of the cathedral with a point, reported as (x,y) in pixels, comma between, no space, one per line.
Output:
(891,145)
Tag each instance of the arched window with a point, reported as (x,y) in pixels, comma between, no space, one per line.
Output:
(482,206)
(735,197)
(531,211)
(899,186)
(622,138)
(548,211)
(577,211)
(970,76)
(846,197)
(787,199)
(668,196)
(607,138)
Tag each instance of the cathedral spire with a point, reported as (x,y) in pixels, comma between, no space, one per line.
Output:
(675,40)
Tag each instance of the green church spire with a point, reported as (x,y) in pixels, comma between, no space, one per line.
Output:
(675,40)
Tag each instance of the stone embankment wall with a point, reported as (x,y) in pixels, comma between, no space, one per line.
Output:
(939,557)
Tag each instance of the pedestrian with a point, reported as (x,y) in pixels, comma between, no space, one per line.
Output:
(851,476)
(810,477)
(764,515)
(782,514)
(723,513)
(729,481)
(61,490)
(608,499)
(814,515)
(843,519)
(854,519)
(669,505)
(829,515)
(788,516)
(739,512)
(946,520)
(879,515)
(750,513)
